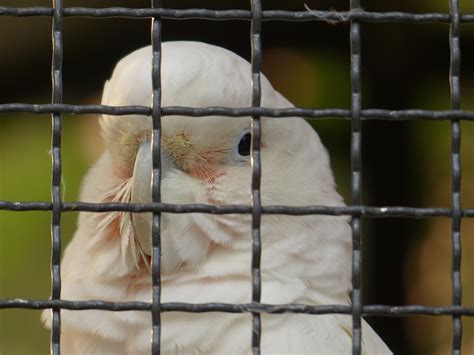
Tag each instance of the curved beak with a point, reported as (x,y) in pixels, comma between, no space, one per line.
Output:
(142,192)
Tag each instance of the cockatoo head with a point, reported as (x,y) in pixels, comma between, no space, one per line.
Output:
(206,257)
(204,159)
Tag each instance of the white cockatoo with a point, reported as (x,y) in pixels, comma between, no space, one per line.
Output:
(207,258)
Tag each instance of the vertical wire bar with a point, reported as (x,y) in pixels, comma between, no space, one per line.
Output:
(356,180)
(455,87)
(256,63)
(156,180)
(57,96)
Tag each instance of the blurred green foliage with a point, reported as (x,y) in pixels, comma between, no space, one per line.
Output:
(25,236)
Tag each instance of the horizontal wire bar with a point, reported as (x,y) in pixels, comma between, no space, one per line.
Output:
(238,14)
(74,109)
(414,114)
(381,310)
(367,211)
(371,114)
(368,310)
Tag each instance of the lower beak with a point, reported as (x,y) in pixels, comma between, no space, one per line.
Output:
(142,192)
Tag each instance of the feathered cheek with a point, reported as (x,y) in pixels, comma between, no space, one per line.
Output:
(207,174)
(223,191)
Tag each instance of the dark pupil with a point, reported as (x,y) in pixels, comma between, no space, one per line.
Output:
(244,145)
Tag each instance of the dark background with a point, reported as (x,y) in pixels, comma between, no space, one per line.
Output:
(404,163)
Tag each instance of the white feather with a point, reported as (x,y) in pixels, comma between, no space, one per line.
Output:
(206,258)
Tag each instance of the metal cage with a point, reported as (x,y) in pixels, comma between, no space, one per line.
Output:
(356,17)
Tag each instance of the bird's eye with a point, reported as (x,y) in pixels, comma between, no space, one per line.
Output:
(244,145)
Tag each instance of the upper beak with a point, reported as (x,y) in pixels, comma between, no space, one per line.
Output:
(142,192)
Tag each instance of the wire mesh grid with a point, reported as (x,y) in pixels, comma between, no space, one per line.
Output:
(356,210)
